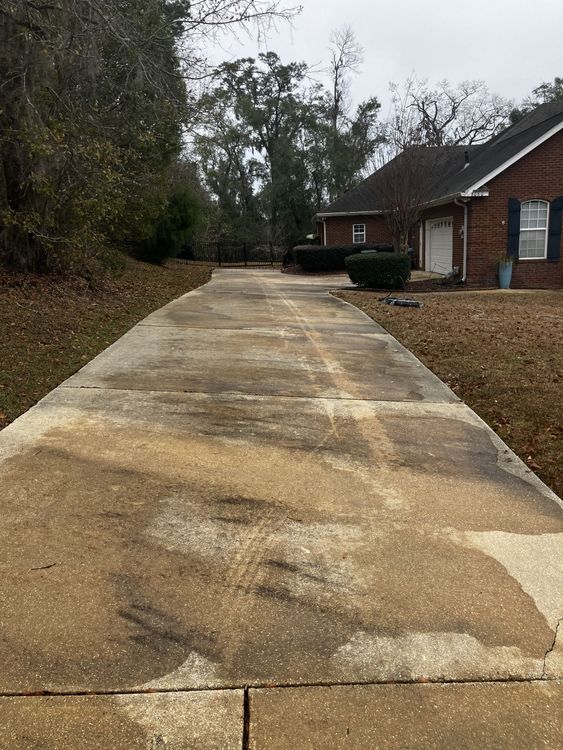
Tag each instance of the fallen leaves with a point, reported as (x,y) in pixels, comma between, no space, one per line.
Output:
(51,326)
(507,364)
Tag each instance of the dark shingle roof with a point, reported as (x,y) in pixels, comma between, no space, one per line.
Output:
(451,175)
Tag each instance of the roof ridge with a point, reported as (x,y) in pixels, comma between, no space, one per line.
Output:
(505,135)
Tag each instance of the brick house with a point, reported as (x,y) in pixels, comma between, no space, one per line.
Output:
(504,196)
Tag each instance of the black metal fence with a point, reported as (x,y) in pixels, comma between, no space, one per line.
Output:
(234,254)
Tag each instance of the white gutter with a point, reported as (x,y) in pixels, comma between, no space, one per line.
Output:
(483,193)
(348,213)
(421,247)
(452,197)
(465,204)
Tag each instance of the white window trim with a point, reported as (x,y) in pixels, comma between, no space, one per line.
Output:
(354,240)
(535,229)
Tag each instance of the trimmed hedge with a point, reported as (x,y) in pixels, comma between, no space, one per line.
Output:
(328,257)
(379,270)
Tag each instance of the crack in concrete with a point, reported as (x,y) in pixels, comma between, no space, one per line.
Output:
(544,675)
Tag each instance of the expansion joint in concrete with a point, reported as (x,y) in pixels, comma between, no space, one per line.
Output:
(246,720)
(238,394)
(246,689)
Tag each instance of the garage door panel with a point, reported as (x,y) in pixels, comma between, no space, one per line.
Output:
(440,235)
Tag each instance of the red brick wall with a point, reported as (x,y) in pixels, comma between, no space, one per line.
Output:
(538,176)
(339,229)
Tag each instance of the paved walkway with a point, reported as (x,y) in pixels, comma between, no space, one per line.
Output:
(257,521)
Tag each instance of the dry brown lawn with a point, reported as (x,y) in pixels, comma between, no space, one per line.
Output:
(50,327)
(502,353)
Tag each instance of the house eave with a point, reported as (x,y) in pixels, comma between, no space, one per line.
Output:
(475,194)
(453,196)
(336,214)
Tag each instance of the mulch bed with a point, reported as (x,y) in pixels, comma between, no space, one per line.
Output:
(435,286)
(424,285)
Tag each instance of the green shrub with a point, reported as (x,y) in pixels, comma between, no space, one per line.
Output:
(379,270)
(327,257)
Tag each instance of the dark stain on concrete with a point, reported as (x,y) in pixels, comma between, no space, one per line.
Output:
(287,567)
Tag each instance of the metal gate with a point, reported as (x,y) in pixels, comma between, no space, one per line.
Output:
(234,254)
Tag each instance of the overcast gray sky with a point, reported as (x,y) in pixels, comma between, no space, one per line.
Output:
(513,45)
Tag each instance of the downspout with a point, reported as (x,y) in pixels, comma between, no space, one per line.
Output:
(421,248)
(465,204)
(323,222)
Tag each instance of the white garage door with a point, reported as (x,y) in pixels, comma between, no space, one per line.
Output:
(440,242)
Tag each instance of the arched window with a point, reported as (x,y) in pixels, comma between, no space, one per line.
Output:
(534,217)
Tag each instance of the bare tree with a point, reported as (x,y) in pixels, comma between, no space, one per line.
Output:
(407,168)
(402,129)
(423,124)
(346,56)
(404,185)
(451,115)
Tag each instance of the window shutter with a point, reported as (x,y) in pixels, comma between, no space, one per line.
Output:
(554,235)
(513,227)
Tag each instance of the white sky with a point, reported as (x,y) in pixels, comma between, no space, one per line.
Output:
(513,45)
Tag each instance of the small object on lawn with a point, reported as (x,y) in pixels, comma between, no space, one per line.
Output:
(398,302)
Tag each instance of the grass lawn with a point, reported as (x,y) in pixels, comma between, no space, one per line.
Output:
(502,353)
(50,327)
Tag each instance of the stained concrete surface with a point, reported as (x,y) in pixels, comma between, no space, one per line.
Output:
(297,503)
(171,721)
(499,716)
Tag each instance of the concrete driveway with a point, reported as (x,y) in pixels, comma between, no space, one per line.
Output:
(257,521)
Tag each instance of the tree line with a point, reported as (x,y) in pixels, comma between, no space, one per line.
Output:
(94,99)
(115,132)
(274,145)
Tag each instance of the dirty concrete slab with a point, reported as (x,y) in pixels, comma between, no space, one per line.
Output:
(160,540)
(334,365)
(487,716)
(238,306)
(263,333)
(174,721)
(317,508)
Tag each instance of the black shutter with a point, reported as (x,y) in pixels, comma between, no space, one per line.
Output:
(554,234)
(513,227)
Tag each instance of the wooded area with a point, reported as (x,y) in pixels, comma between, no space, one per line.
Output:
(93,102)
